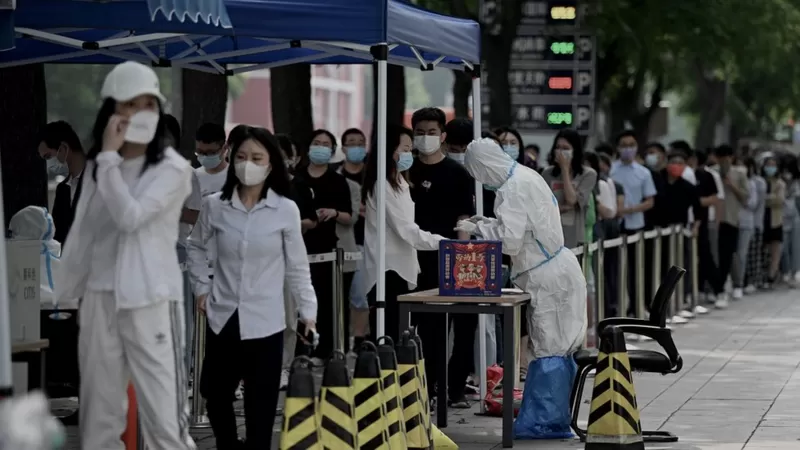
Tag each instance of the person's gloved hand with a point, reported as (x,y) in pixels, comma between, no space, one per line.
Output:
(468,227)
(480,219)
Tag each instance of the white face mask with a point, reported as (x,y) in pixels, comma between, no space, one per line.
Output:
(250,173)
(427,144)
(458,157)
(142,127)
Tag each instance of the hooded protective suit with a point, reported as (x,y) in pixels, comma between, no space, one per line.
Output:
(34,223)
(529,225)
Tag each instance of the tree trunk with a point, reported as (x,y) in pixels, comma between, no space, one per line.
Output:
(205,99)
(462,87)
(497,54)
(712,94)
(395,98)
(23,113)
(292,111)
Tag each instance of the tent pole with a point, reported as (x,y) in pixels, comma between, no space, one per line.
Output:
(381,53)
(476,126)
(6,382)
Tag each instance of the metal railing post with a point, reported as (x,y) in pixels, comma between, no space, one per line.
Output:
(656,275)
(640,276)
(672,244)
(695,276)
(338,301)
(680,256)
(623,277)
(199,418)
(586,267)
(600,283)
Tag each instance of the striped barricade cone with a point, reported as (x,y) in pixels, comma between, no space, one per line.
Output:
(391,394)
(441,441)
(300,430)
(417,436)
(336,413)
(614,417)
(368,399)
(423,378)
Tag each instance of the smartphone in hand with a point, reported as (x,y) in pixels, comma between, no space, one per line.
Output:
(309,336)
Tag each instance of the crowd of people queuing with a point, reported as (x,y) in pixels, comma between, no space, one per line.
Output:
(243,222)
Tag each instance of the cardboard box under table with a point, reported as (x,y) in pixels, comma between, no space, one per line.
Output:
(508,306)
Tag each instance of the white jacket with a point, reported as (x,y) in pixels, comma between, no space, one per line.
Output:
(147,215)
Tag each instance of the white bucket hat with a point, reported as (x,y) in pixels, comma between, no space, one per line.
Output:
(130,80)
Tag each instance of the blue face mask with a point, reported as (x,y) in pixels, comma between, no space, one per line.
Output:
(405,161)
(770,171)
(512,151)
(356,155)
(318,154)
(210,161)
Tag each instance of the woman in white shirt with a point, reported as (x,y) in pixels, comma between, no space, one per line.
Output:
(259,247)
(403,236)
(122,262)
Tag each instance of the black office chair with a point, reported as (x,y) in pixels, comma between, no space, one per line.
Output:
(641,360)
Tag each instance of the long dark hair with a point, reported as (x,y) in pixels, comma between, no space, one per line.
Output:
(155,149)
(393,134)
(574,140)
(278,178)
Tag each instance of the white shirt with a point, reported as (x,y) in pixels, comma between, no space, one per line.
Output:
(193,202)
(106,237)
(210,183)
(257,252)
(720,193)
(403,237)
(144,213)
(607,195)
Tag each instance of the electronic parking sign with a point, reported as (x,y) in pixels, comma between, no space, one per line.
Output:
(531,118)
(551,82)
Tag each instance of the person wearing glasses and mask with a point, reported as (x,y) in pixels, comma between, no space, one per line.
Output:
(259,241)
(122,262)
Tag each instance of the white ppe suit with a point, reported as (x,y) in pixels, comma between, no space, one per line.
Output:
(529,225)
(34,223)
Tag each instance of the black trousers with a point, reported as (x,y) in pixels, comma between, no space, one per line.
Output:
(707,270)
(611,282)
(633,271)
(322,279)
(728,243)
(395,286)
(433,330)
(230,359)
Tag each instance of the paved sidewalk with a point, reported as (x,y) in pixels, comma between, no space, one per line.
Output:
(739,388)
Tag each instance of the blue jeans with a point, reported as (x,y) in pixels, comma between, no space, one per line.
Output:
(188,307)
(790,253)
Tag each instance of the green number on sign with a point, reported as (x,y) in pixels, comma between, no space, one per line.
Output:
(563,48)
(559,118)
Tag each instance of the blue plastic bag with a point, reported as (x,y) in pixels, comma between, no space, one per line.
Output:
(544,413)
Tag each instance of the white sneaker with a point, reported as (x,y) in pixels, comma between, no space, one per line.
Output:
(700,310)
(797,277)
(686,314)
(678,320)
(738,294)
(750,289)
(786,278)
(284,379)
(239,392)
(722,301)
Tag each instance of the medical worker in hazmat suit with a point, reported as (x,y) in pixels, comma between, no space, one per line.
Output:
(528,224)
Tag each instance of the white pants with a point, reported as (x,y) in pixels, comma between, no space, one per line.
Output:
(142,345)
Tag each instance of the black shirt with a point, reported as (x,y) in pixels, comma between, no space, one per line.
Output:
(442,193)
(706,187)
(677,198)
(652,215)
(301,195)
(358,228)
(328,191)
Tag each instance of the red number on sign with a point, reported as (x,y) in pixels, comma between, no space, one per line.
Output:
(561,83)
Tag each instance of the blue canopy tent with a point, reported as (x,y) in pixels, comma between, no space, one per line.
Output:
(266,33)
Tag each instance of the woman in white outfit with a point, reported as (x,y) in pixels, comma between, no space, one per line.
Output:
(122,262)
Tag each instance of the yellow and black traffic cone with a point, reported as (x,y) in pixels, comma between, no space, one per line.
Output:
(614,417)
(391,394)
(300,429)
(441,441)
(417,436)
(336,407)
(423,379)
(369,400)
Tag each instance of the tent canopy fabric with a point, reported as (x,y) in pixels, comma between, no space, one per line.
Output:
(211,12)
(265,33)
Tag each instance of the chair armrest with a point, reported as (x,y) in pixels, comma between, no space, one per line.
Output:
(664,338)
(619,321)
